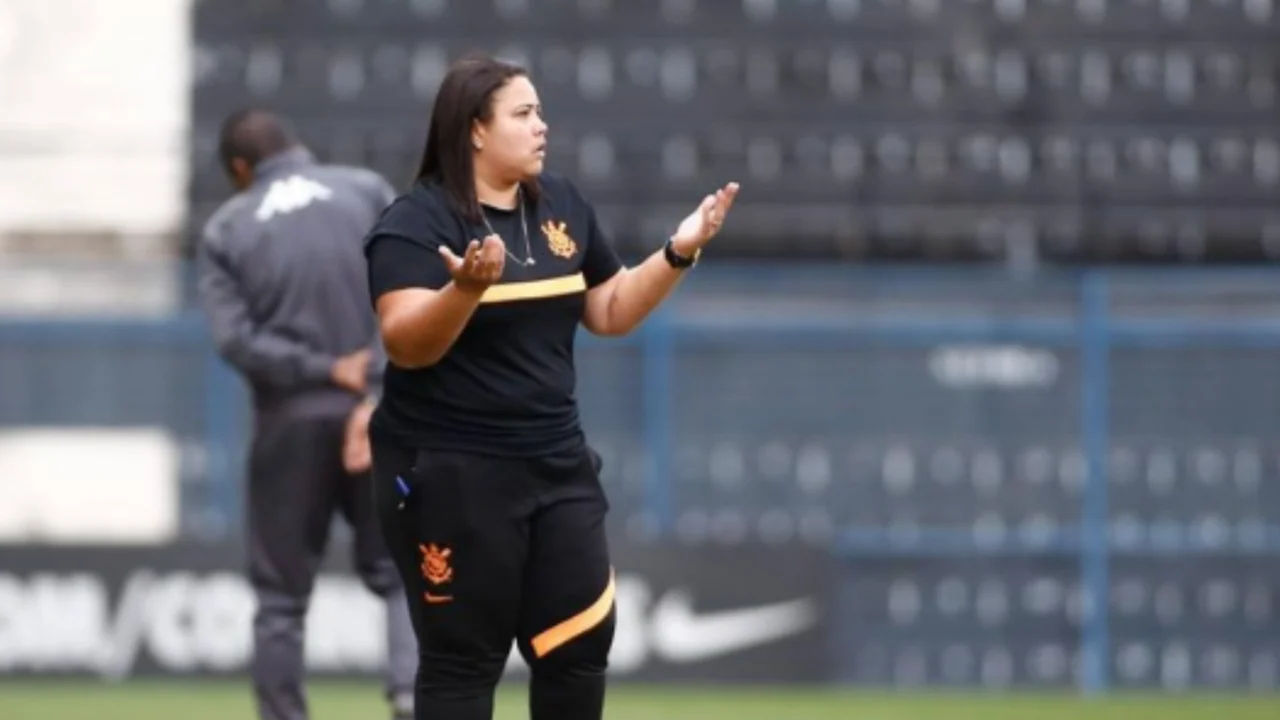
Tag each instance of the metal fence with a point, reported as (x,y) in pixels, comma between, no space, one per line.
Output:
(1070,479)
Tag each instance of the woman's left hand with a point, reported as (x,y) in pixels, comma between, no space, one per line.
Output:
(705,222)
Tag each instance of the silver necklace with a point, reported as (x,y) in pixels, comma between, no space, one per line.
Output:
(524,229)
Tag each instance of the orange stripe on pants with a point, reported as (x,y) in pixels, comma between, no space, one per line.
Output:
(579,624)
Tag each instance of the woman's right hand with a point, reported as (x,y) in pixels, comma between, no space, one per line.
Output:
(479,267)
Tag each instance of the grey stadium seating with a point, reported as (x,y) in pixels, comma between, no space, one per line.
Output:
(1084,131)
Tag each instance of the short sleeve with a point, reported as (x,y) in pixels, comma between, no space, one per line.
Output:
(397,263)
(600,260)
(403,251)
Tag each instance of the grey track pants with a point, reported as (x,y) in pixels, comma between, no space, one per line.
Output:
(296,485)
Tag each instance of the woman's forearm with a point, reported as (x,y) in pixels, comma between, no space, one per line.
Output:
(641,290)
(422,328)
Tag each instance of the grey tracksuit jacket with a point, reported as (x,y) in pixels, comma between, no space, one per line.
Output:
(283,281)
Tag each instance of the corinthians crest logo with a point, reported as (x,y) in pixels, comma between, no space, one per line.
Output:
(558,240)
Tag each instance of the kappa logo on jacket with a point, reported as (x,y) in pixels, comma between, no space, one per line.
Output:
(290,195)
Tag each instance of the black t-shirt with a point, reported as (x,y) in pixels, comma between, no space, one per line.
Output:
(506,387)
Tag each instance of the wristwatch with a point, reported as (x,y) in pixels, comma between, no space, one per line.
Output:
(678,261)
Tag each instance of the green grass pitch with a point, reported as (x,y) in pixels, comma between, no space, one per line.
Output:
(230,701)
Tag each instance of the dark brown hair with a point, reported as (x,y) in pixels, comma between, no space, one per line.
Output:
(465,96)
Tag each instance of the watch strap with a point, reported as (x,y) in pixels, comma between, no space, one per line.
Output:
(677,260)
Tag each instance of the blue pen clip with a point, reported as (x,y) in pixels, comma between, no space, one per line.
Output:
(404,490)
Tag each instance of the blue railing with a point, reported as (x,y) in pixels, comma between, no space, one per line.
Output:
(1087,317)
(1093,331)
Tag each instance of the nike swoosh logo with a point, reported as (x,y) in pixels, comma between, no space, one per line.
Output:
(681,635)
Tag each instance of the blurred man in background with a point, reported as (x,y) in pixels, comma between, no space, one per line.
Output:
(283,283)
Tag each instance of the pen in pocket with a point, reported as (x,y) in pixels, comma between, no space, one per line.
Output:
(404,490)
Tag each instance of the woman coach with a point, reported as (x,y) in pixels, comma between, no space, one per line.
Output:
(488,494)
